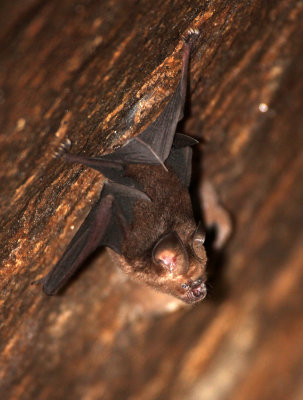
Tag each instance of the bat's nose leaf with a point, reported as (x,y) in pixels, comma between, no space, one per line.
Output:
(171,254)
(199,290)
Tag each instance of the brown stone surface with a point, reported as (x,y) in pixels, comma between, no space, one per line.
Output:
(77,69)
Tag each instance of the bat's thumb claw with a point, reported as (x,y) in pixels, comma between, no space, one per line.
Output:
(38,281)
(63,148)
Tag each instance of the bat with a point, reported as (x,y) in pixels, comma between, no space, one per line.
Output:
(144,213)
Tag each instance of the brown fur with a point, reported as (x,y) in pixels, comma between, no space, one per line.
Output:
(170,209)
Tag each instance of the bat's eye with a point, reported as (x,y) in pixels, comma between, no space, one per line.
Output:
(198,241)
(184,286)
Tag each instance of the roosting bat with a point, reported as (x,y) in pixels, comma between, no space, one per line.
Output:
(144,213)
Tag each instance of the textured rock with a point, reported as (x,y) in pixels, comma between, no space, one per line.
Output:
(77,70)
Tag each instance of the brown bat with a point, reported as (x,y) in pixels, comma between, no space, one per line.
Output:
(144,213)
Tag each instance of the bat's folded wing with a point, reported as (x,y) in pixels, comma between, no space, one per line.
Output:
(180,157)
(154,144)
(104,225)
(121,214)
(179,161)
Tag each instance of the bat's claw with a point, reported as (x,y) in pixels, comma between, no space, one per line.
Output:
(62,149)
(193,31)
(191,34)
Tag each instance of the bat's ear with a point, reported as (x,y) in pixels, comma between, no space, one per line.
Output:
(171,254)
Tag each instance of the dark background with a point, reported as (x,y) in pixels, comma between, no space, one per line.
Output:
(77,69)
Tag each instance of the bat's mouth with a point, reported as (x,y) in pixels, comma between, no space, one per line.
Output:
(196,293)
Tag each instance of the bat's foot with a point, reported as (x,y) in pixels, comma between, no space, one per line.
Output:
(63,149)
(215,215)
(191,35)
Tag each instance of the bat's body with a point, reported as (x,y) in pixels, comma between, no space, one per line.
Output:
(144,213)
(169,210)
(170,206)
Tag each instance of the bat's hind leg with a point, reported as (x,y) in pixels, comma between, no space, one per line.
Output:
(110,169)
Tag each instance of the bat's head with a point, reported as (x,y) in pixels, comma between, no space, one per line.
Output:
(180,266)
